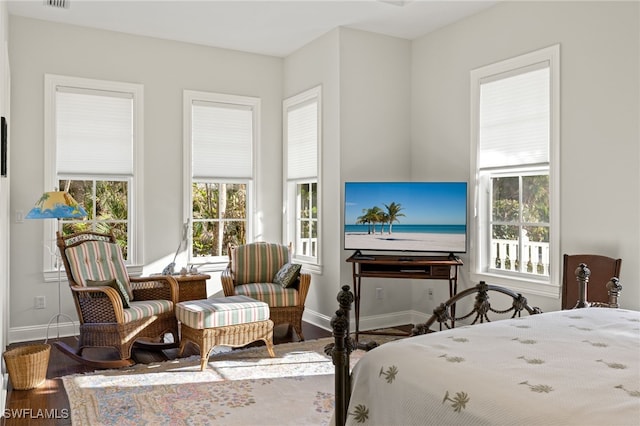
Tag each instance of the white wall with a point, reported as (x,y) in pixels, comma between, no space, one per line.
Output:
(315,64)
(600,112)
(165,69)
(375,109)
(366,109)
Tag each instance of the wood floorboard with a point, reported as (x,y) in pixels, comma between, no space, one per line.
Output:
(48,404)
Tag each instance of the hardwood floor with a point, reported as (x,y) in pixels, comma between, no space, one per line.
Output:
(49,405)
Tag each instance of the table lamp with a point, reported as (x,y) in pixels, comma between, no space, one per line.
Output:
(57,205)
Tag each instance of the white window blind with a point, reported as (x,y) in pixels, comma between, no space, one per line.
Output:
(302,131)
(222,138)
(94,131)
(514,119)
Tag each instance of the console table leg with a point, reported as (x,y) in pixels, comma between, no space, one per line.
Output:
(356,296)
(453,290)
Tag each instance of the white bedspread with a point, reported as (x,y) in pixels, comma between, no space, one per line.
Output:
(577,367)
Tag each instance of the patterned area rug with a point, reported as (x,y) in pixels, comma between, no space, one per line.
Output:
(242,387)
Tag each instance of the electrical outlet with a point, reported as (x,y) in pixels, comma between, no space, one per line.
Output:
(379,293)
(430,293)
(39,302)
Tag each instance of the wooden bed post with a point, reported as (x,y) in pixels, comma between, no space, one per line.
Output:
(340,351)
(582,275)
(614,288)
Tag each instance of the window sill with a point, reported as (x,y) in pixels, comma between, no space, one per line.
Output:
(311,268)
(212,267)
(522,285)
(51,276)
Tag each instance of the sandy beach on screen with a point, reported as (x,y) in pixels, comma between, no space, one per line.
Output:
(404,241)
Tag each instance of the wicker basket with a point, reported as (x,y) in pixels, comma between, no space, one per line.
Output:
(27,365)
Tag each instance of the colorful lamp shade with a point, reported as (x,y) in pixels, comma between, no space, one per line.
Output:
(56,205)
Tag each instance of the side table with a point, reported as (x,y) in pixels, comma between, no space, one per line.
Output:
(192,287)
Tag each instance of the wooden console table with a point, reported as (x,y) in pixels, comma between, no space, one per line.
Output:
(192,287)
(416,267)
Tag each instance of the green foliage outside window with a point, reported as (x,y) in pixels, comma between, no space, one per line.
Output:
(506,207)
(219,217)
(107,206)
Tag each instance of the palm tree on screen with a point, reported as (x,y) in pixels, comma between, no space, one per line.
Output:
(384,218)
(371,216)
(362,220)
(393,213)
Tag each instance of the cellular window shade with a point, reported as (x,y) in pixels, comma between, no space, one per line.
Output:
(94,132)
(514,120)
(302,144)
(222,138)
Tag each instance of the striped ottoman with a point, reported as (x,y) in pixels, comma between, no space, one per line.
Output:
(226,321)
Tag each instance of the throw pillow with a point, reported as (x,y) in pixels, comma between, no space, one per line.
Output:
(116,285)
(287,275)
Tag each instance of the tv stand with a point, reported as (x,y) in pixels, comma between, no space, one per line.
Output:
(415,267)
(359,256)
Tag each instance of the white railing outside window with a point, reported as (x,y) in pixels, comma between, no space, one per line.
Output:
(505,256)
(307,247)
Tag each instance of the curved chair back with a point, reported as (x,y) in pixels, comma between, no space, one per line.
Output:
(602,268)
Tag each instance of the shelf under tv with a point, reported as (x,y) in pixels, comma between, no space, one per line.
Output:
(443,267)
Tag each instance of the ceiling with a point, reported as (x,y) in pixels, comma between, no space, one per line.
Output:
(270,27)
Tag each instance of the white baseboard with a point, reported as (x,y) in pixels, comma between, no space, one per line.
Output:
(370,322)
(39,332)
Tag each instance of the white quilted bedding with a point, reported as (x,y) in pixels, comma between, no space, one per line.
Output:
(574,367)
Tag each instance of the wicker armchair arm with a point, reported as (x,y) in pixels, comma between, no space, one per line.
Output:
(98,304)
(304,282)
(303,286)
(160,287)
(227,282)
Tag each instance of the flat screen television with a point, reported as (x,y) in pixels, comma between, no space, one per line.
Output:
(406,216)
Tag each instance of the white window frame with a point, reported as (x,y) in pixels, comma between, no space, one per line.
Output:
(479,260)
(290,198)
(136,204)
(216,263)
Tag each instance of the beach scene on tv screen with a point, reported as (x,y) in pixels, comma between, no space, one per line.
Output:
(406,216)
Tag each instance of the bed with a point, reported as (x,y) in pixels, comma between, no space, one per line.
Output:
(578,366)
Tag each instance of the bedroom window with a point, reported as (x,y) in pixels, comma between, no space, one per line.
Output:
(93,145)
(220,136)
(302,139)
(515,150)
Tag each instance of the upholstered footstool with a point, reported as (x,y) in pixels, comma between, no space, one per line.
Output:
(226,321)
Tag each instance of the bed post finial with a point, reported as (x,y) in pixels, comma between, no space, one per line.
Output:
(614,288)
(345,298)
(582,275)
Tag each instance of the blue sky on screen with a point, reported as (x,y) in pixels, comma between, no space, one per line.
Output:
(434,203)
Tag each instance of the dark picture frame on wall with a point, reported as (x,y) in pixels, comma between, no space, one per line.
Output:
(3,147)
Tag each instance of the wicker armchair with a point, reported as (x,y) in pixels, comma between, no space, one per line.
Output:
(115,310)
(257,270)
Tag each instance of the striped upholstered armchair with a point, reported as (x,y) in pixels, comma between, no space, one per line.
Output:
(114,309)
(263,271)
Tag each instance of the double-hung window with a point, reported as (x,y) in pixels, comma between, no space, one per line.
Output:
(93,146)
(515,168)
(301,115)
(219,143)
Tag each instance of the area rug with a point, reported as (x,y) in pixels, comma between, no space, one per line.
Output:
(242,387)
